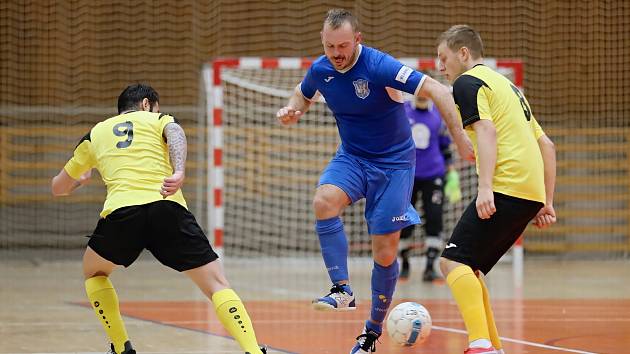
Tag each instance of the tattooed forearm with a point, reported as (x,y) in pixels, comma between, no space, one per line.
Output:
(177,148)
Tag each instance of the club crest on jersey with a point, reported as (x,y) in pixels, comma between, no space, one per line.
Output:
(361,88)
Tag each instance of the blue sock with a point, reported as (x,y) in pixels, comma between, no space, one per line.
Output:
(378,328)
(383,286)
(334,244)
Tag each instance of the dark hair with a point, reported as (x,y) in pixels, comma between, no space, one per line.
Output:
(459,36)
(131,97)
(335,18)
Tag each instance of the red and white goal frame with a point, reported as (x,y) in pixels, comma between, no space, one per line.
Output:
(214,110)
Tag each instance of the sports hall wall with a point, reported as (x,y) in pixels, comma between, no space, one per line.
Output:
(63,64)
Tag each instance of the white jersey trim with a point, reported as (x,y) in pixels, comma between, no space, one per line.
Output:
(419,85)
(316,97)
(353,63)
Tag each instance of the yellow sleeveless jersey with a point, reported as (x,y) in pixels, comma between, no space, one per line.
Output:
(482,93)
(131,156)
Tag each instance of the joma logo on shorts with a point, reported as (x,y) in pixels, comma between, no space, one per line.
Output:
(403,217)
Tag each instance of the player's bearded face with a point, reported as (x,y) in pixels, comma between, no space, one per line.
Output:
(450,63)
(340,45)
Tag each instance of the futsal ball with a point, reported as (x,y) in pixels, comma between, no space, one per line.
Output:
(409,323)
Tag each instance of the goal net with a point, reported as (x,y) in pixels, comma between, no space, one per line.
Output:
(264,174)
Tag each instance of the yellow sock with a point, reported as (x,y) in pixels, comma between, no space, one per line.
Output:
(104,301)
(467,292)
(492,327)
(234,317)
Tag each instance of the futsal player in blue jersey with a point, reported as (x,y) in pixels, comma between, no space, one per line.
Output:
(433,161)
(376,159)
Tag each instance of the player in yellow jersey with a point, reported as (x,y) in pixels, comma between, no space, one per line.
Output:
(141,156)
(516,167)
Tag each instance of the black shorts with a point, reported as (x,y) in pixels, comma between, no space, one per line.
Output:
(432,191)
(480,243)
(167,229)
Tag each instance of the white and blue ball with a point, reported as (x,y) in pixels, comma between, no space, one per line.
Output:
(408,323)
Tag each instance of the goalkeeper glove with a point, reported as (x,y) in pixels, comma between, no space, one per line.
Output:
(451,188)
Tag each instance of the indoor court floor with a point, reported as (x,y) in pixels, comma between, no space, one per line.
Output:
(563,306)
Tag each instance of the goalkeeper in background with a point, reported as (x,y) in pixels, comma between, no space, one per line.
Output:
(431,182)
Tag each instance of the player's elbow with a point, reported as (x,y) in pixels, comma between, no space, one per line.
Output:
(550,144)
(57,187)
(546,144)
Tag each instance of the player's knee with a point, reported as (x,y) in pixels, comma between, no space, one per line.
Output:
(385,256)
(320,205)
(445,265)
(329,201)
(324,205)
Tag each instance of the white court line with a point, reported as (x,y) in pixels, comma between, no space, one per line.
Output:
(518,341)
(141,322)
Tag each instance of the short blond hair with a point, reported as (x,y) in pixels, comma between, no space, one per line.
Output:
(335,18)
(459,36)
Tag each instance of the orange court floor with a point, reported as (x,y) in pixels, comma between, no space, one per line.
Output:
(527,326)
(562,306)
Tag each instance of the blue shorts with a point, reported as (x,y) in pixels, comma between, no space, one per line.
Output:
(387,192)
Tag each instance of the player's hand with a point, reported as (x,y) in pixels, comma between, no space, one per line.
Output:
(452,189)
(485,203)
(172,184)
(545,217)
(465,147)
(288,115)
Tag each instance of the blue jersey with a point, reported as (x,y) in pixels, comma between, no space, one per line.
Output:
(431,139)
(371,119)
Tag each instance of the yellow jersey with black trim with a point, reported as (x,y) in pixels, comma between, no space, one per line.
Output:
(482,93)
(131,155)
